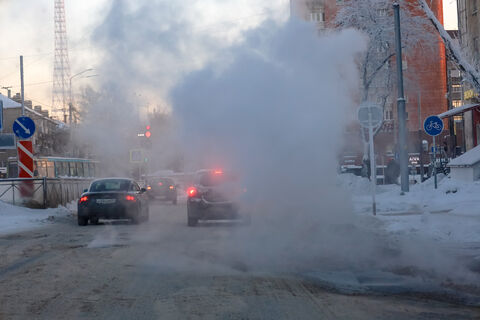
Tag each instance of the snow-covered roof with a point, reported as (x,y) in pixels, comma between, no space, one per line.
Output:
(9,103)
(455,111)
(467,159)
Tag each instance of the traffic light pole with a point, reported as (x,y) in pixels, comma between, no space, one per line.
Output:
(402,132)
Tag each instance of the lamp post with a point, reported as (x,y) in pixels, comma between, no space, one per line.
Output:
(70,105)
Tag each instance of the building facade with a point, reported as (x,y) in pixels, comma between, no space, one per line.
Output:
(50,138)
(425,75)
(469,36)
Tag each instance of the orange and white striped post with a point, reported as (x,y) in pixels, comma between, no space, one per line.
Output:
(25,166)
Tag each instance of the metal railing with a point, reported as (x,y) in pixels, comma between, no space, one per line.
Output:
(43,192)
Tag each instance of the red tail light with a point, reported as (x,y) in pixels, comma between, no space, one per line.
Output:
(130,198)
(192,192)
(160,184)
(83,199)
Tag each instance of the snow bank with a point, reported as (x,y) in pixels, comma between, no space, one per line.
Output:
(450,213)
(16,219)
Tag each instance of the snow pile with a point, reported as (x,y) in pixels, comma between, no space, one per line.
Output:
(450,213)
(16,219)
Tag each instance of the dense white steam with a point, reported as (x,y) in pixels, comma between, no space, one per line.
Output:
(276,114)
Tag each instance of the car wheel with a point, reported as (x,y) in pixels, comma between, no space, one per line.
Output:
(147,215)
(82,221)
(192,222)
(136,217)
(94,220)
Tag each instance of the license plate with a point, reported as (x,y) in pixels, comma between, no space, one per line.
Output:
(106,201)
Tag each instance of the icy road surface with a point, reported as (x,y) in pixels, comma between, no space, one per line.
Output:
(165,270)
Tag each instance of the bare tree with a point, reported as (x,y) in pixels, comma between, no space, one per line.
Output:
(375,19)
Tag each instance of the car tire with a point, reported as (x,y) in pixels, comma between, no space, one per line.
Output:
(82,221)
(94,221)
(192,222)
(136,217)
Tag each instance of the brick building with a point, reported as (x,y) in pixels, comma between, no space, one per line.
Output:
(425,77)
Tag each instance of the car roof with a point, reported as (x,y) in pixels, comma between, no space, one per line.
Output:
(113,178)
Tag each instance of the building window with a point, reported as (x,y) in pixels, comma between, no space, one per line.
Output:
(456,88)
(317,17)
(456,103)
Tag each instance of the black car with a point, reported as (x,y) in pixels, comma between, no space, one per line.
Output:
(113,198)
(215,195)
(162,188)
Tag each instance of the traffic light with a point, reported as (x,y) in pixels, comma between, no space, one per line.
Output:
(148,134)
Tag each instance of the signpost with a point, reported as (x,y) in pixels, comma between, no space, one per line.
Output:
(23,127)
(433,126)
(371,116)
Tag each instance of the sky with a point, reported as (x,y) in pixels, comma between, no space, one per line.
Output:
(31,35)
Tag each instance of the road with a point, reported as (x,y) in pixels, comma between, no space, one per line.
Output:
(166,270)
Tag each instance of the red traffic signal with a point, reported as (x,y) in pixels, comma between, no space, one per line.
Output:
(148,134)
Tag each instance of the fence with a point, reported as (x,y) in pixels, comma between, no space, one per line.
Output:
(43,192)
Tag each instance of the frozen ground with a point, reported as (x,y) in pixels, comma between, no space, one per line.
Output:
(450,213)
(15,219)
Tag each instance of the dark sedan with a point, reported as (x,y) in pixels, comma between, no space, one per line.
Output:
(113,198)
(162,188)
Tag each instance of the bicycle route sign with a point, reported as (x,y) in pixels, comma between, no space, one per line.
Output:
(433,126)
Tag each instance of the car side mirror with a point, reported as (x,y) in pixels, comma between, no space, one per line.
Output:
(85,190)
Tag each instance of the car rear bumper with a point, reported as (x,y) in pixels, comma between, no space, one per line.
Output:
(114,212)
(204,210)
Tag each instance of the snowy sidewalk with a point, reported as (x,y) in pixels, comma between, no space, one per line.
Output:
(16,219)
(450,213)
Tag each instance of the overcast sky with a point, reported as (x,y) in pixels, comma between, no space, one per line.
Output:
(28,29)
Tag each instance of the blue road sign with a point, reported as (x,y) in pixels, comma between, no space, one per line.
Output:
(24,127)
(433,126)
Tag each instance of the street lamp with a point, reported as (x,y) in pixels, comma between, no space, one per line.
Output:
(70,105)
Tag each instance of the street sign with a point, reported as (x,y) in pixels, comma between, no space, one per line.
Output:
(24,127)
(370,115)
(433,126)
(1,115)
(7,141)
(136,156)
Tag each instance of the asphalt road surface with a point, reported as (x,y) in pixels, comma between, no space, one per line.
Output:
(166,270)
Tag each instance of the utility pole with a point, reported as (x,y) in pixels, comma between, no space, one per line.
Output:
(22,85)
(402,130)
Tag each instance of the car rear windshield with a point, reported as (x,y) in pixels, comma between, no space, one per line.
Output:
(211,179)
(162,181)
(110,185)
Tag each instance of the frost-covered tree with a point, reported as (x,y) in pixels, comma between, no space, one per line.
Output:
(375,19)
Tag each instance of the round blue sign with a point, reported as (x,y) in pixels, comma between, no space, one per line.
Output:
(433,126)
(23,127)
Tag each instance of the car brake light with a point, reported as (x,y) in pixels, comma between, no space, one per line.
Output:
(83,199)
(192,192)
(218,172)
(160,184)
(130,198)
(171,187)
